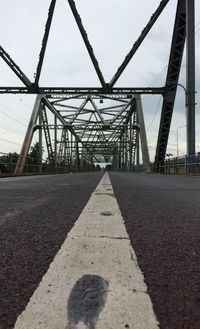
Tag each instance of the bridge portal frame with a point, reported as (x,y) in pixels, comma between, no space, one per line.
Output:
(184,25)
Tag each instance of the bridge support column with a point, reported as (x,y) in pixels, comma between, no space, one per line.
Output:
(40,141)
(143,136)
(55,143)
(28,137)
(190,79)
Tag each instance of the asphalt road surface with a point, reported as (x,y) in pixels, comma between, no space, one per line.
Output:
(162,218)
(36,214)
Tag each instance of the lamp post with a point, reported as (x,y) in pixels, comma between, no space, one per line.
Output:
(190,124)
(178,139)
(170,84)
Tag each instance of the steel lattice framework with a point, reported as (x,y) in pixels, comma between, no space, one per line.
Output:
(111,131)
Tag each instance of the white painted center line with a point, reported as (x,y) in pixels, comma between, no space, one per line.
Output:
(94,281)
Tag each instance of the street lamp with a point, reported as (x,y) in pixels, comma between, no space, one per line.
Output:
(172,84)
(190,119)
(177,138)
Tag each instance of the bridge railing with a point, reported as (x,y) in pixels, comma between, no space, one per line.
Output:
(180,165)
(35,166)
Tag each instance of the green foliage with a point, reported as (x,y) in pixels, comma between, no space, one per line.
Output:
(34,154)
(34,158)
(8,162)
(108,167)
(98,168)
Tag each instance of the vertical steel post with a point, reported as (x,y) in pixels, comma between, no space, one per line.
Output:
(123,153)
(143,136)
(71,146)
(120,154)
(77,156)
(28,137)
(55,141)
(190,76)
(125,150)
(137,150)
(65,145)
(130,143)
(40,141)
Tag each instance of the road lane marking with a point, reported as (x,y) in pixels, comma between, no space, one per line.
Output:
(22,178)
(94,280)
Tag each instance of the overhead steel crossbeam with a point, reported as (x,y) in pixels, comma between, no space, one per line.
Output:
(119,92)
(172,78)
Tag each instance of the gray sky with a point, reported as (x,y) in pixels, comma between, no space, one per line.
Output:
(112,27)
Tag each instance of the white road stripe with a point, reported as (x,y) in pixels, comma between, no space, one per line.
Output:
(22,178)
(96,252)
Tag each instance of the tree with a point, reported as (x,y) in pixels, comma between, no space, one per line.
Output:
(108,167)
(8,162)
(98,168)
(34,157)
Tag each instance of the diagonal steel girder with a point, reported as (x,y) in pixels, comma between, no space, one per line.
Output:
(86,41)
(15,68)
(62,120)
(44,41)
(139,41)
(172,78)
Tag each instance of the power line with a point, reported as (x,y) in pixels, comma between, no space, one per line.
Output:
(198,23)
(11,130)
(4,107)
(12,118)
(9,141)
(158,76)
(155,114)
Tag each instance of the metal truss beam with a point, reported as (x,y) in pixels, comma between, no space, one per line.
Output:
(28,137)
(15,68)
(128,118)
(71,92)
(62,120)
(90,127)
(143,136)
(137,44)
(190,78)
(47,134)
(174,67)
(44,41)
(86,41)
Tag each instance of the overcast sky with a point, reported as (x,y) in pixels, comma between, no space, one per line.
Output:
(112,27)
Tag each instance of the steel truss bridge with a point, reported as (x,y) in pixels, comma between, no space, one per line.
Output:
(106,123)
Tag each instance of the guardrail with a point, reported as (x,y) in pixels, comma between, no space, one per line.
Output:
(35,166)
(180,165)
